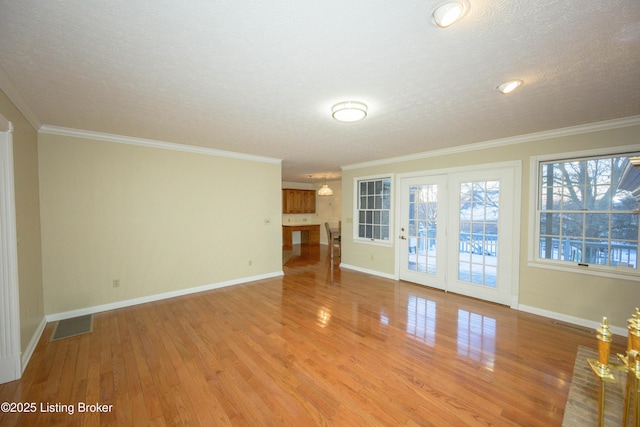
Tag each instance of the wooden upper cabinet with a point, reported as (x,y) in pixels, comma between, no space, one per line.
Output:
(298,201)
(309,201)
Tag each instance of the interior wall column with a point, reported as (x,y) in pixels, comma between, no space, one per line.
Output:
(9,308)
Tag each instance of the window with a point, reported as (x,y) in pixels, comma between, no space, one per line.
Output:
(583,216)
(373,209)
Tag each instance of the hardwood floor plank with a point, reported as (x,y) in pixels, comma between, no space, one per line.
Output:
(320,346)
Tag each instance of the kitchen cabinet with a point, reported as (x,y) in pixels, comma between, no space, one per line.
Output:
(296,201)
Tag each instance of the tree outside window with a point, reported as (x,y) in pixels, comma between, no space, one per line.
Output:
(583,216)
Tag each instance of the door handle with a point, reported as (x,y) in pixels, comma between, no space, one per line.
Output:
(403,238)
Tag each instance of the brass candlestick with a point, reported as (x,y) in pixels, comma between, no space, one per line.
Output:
(633,384)
(600,367)
(633,343)
(637,372)
(632,365)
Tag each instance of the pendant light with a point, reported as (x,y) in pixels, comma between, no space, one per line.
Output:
(325,191)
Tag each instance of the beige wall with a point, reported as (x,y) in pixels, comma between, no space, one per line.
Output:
(328,209)
(576,295)
(25,159)
(157,220)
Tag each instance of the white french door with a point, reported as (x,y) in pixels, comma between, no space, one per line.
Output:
(458,231)
(422,230)
(482,234)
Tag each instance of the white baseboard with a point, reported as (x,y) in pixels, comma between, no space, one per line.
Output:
(570,319)
(135,301)
(33,343)
(367,271)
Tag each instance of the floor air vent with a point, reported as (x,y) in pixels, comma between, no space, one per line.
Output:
(71,327)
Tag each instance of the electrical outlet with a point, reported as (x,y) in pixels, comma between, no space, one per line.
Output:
(250,263)
(116,283)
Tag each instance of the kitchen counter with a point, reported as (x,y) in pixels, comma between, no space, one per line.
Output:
(309,234)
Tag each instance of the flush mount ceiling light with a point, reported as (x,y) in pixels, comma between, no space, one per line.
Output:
(349,111)
(510,86)
(449,12)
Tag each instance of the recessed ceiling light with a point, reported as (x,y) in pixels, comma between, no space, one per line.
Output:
(349,111)
(509,86)
(449,12)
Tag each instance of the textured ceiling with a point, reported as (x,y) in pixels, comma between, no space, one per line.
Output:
(260,77)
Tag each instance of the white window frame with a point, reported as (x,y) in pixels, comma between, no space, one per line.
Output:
(534,259)
(356,211)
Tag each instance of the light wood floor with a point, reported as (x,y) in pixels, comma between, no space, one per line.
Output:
(320,346)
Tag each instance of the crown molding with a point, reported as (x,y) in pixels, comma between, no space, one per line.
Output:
(120,139)
(14,95)
(520,139)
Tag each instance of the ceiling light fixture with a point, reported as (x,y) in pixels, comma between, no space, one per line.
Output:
(325,191)
(349,111)
(449,12)
(510,86)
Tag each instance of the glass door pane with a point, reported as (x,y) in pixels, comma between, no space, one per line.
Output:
(478,232)
(422,230)
(482,253)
